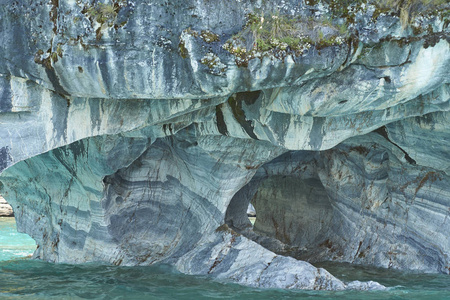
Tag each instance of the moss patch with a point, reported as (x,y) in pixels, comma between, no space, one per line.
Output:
(213,63)
(209,36)
(182,49)
(46,59)
(105,14)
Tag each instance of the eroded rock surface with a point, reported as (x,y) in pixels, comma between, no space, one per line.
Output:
(137,132)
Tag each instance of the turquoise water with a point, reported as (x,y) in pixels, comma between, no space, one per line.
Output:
(13,244)
(23,278)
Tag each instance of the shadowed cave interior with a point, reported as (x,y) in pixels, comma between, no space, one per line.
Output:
(294,213)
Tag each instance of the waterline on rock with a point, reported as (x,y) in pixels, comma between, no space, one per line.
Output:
(25,278)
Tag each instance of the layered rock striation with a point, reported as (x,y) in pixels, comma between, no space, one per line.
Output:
(137,132)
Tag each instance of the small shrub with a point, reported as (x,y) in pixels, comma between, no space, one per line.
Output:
(275,31)
(409,9)
(103,13)
(262,45)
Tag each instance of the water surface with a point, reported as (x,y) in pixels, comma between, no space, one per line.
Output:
(24,278)
(14,244)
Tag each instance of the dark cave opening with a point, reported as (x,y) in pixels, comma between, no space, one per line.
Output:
(294,213)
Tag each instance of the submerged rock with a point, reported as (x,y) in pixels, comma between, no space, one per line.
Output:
(138,132)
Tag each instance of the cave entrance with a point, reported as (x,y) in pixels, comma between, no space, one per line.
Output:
(13,244)
(294,213)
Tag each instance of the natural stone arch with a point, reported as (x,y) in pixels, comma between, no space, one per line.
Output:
(294,212)
(364,209)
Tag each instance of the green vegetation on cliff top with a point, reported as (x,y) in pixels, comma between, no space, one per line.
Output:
(266,32)
(407,10)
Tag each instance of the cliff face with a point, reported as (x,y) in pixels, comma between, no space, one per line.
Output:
(137,132)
